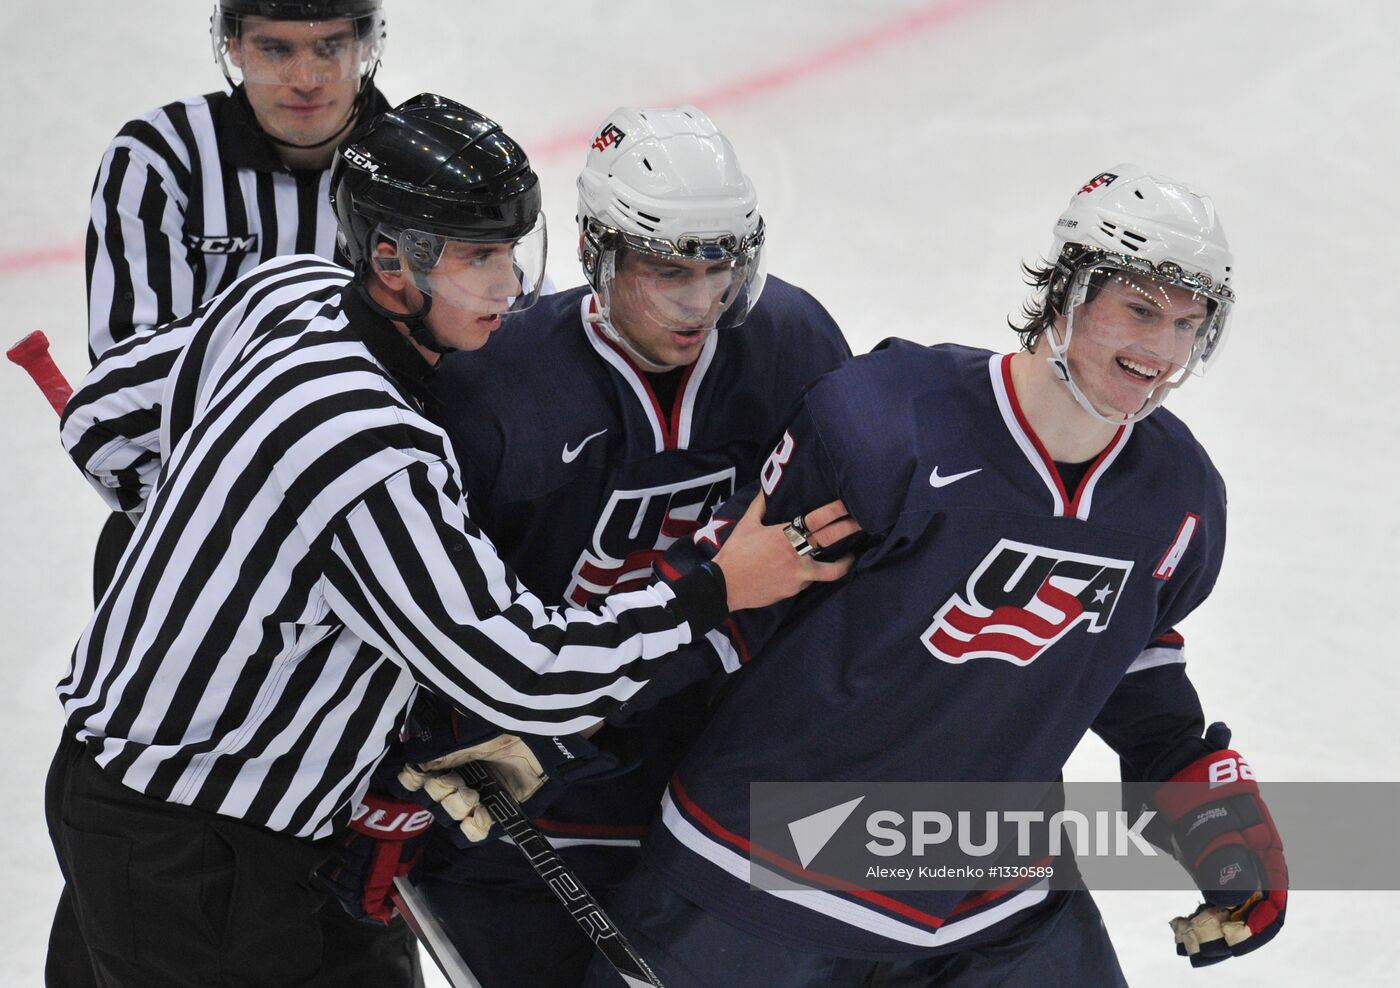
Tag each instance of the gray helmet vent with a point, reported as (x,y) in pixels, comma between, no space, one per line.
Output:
(1127,239)
(644,220)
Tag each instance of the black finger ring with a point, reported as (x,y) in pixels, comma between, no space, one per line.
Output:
(800,523)
(798,538)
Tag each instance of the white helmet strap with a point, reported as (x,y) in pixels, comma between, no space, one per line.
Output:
(1058,359)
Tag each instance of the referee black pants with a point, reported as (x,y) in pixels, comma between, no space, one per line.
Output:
(160,895)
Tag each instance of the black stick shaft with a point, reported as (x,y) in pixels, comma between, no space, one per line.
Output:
(560,878)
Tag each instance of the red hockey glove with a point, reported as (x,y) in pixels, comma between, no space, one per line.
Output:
(384,842)
(1224,836)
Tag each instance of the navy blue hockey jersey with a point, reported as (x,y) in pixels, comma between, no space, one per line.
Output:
(582,480)
(994,620)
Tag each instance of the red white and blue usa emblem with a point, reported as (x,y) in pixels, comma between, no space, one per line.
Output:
(636,528)
(607,137)
(1021,599)
(1098,182)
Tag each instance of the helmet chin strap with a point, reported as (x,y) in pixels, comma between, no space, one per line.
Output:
(1058,359)
(415,321)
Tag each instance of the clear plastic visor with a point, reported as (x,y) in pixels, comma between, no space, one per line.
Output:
(1157,327)
(643,291)
(263,51)
(484,278)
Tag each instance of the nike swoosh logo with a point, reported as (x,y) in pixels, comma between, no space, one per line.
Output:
(938,481)
(570,455)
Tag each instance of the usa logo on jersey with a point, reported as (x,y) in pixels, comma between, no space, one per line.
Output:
(1021,599)
(637,527)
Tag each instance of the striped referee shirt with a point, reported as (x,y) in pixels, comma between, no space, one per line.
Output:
(188,199)
(305,561)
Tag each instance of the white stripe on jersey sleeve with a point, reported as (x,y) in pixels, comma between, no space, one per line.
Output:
(724,648)
(1151,658)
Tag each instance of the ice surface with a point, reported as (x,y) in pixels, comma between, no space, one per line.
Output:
(908,155)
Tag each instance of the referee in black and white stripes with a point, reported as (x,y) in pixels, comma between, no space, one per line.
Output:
(194,195)
(197,193)
(190,197)
(305,562)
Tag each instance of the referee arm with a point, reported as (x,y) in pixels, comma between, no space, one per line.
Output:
(138,269)
(413,575)
(111,426)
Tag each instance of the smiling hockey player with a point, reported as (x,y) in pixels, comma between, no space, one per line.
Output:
(1038,529)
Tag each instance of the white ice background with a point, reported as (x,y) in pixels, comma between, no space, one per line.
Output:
(902,182)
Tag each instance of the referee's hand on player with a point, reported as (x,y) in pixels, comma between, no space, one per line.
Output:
(761,565)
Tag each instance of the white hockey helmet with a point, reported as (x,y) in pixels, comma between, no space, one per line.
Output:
(667,183)
(1125,223)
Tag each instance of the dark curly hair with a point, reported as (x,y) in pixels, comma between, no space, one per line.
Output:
(1040,310)
(1049,281)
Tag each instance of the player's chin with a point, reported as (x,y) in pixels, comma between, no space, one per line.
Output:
(1122,405)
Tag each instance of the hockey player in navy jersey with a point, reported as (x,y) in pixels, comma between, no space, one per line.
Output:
(1037,529)
(599,428)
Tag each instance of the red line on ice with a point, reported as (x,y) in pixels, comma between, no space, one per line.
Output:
(40,257)
(737,91)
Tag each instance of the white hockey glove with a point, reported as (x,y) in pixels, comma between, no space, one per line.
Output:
(514,764)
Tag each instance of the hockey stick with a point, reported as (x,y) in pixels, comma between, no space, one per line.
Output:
(560,878)
(32,353)
(425,926)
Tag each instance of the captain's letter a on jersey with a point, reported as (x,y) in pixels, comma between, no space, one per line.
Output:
(1021,599)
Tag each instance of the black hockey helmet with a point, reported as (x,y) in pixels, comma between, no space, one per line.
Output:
(434,165)
(431,171)
(299,10)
